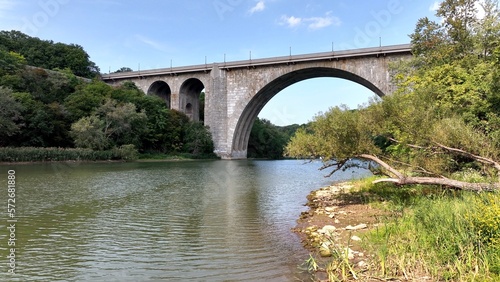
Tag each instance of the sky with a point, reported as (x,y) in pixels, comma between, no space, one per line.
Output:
(151,34)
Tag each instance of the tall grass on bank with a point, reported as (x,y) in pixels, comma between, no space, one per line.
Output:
(437,234)
(32,154)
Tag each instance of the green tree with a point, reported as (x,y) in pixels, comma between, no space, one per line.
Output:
(88,132)
(87,99)
(112,124)
(198,140)
(49,55)
(444,117)
(124,69)
(10,62)
(266,140)
(10,116)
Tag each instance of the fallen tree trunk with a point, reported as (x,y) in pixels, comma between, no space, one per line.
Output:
(400,179)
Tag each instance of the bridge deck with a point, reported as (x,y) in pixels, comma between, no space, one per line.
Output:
(373,51)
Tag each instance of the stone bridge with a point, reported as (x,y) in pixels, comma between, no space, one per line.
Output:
(235,92)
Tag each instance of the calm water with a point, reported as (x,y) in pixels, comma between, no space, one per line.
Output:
(166,221)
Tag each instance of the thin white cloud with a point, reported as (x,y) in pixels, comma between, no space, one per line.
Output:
(290,21)
(313,22)
(154,44)
(322,22)
(259,7)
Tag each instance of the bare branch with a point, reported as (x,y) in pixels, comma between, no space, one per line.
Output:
(338,166)
(480,159)
(382,164)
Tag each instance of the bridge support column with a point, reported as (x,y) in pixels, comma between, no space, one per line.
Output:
(216,115)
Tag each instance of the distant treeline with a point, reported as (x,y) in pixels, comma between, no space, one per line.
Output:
(268,140)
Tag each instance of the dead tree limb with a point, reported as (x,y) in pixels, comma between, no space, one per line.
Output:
(400,179)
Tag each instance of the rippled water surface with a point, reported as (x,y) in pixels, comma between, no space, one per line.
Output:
(159,221)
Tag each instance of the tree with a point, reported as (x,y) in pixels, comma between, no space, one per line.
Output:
(49,55)
(341,135)
(87,99)
(112,124)
(441,123)
(88,133)
(10,62)
(10,115)
(198,139)
(124,69)
(266,140)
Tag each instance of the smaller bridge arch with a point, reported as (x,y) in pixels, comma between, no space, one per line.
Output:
(190,98)
(264,95)
(161,89)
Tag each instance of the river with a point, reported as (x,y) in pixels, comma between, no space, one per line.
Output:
(159,221)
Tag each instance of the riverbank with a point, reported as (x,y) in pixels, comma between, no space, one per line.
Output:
(365,232)
(333,228)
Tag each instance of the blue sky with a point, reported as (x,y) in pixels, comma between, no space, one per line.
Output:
(155,34)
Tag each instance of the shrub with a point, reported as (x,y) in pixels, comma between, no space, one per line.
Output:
(485,217)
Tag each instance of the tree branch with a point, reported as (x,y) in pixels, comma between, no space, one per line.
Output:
(480,159)
(401,179)
(338,166)
(382,164)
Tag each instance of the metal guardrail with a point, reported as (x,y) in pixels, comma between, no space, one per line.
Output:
(372,51)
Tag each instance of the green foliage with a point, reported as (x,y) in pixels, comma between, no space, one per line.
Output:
(485,217)
(435,233)
(87,99)
(44,104)
(32,154)
(10,115)
(88,132)
(266,140)
(112,124)
(447,95)
(126,152)
(198,140)
(49,55)
(124,69)
(10,62)
(338,134)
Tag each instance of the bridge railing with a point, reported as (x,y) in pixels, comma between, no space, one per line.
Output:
(363,52)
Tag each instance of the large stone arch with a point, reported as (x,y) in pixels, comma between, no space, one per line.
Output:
(161,89)
(189,97)
(264,95)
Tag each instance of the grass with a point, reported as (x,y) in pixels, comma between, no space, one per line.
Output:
(34,154)
(427,233)
(433,233)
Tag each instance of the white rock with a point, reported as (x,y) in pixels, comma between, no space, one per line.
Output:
(327,229)
(357,227)
(355,238)
(330,209)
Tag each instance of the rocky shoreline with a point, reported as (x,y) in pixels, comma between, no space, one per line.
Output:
(334,227)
